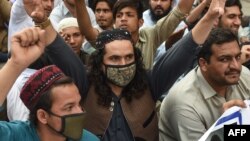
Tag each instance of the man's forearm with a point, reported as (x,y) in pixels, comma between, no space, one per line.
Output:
(84,22)
(8,76)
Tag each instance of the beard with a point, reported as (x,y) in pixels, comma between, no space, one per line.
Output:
(156,17)
(234,29)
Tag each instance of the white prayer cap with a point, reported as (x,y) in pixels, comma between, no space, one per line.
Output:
(67,22)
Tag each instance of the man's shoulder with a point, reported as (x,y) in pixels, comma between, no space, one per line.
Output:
(16,126)
(244,76)
(185,89)
(18,130)
(245,72)
(187,81)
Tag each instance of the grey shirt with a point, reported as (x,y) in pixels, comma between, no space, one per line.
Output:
(192,106)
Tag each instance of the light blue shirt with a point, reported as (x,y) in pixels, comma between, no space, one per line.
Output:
(25,131)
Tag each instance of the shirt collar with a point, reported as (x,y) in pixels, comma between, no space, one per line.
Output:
(206,89)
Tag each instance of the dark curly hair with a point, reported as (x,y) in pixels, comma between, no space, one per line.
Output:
(98,79)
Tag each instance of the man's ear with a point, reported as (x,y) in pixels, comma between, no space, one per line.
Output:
(203,64)
(141,21)
(42,116)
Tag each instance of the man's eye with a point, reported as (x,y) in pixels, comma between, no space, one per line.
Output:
(129,57)
(118,15)
(224,59)
(98,10)
(238,57)
(114,58)
(130,15)
(69,108)
(105,10)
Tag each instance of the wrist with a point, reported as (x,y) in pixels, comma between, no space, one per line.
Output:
(16,64)
(44,24)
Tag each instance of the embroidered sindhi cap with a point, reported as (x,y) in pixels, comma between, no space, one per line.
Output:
(38,83)
(108,36)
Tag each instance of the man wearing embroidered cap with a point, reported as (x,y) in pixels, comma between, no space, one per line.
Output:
(55,113)
(53,100)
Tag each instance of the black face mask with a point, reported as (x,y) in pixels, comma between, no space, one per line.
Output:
(72,125)
(120,75)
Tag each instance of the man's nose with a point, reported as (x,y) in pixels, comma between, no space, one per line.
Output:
(237,21)
(235,64)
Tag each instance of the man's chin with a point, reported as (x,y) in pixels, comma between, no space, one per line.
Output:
(235,30)
(233,81)
(123,27)
(101,23)
(48,13)
(158,11)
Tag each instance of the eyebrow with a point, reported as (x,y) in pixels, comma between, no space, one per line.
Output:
(227,55)
(130,54)
(126,12)
(102,9)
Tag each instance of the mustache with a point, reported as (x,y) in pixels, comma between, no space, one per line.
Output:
(102,20)
(233,71)
(158,7)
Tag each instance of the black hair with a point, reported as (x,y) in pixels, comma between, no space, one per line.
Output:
(230,3)
(217,36)
(109,2)
(98,79)
(136,4)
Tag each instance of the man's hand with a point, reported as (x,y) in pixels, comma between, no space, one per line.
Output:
(231,103)
(65,37)
(216,8)
(245,53)
(27,46)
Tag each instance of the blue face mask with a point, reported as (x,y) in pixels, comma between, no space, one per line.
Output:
(120,75)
